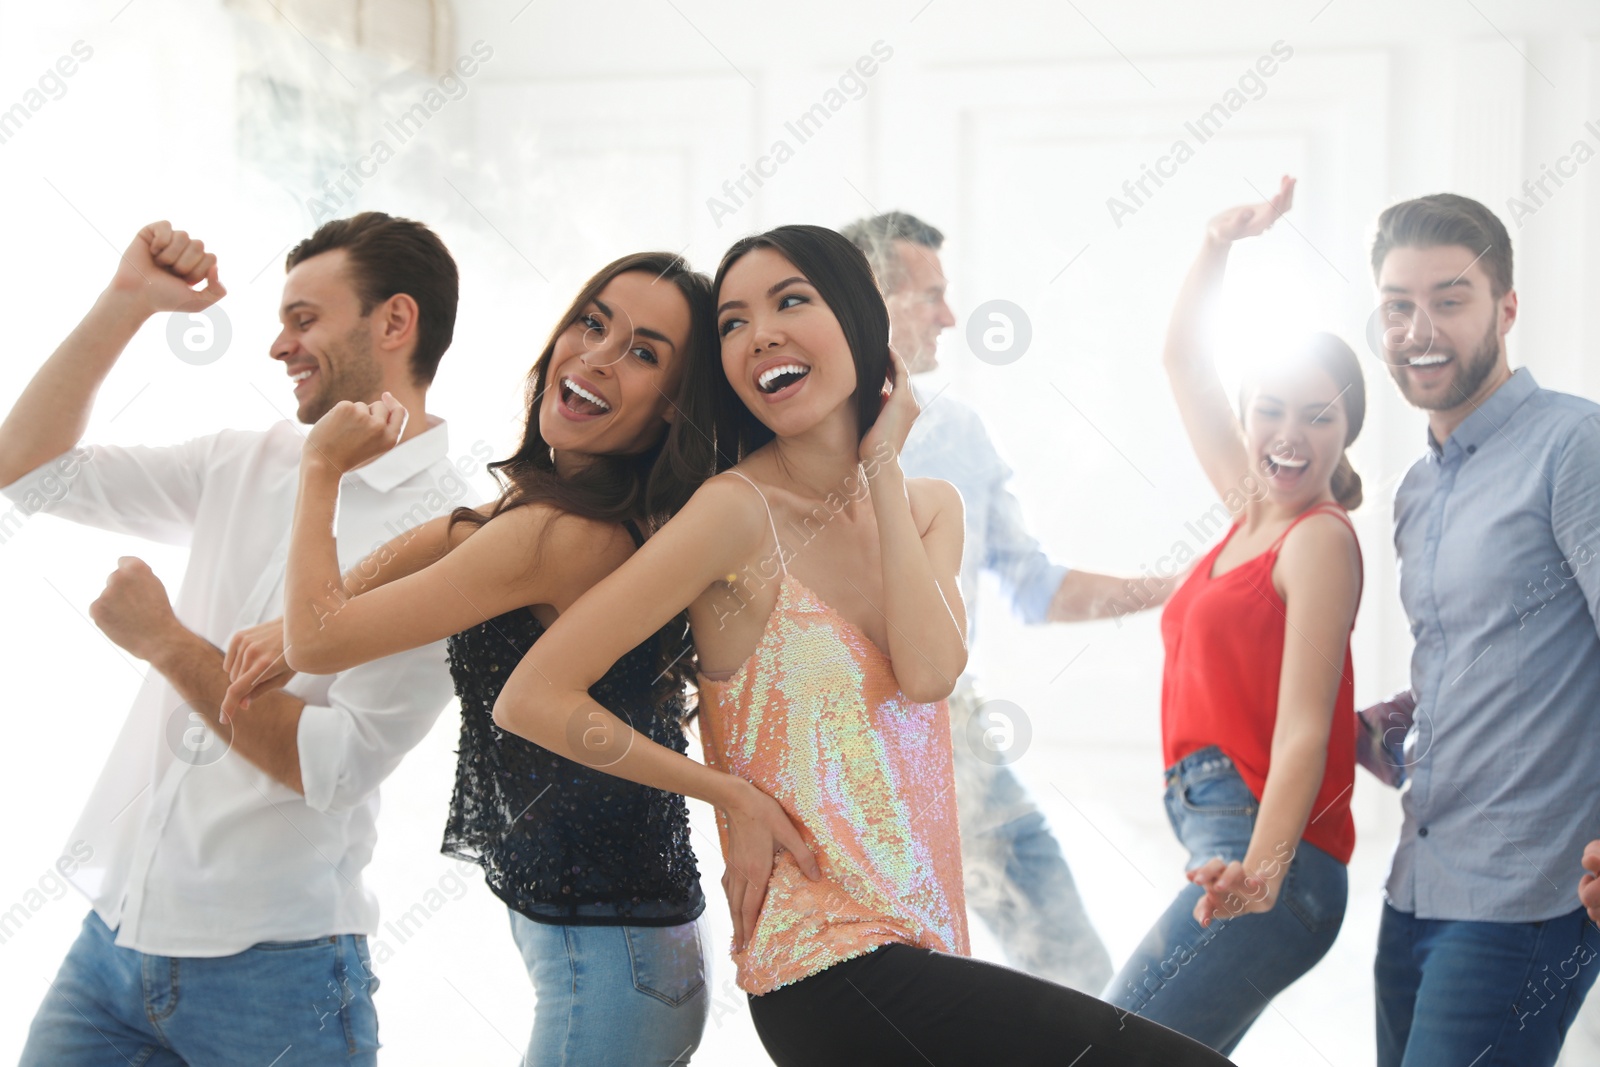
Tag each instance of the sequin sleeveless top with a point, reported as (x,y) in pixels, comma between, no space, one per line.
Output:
(557,841)
(816,720)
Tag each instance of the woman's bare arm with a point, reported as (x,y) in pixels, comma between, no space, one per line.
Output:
(1207,413)
(1320,568)
(254,658)
(407,553)
(492,571)
(920,533)
(529,555)
(547,701)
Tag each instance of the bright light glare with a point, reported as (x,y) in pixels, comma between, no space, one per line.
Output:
(1268,306)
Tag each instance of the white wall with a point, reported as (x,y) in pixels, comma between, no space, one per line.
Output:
(593,131)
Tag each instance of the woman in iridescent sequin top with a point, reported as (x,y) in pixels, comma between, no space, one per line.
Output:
(598,875)
(828,626)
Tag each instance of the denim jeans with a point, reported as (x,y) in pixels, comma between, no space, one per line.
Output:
(1212,983)
(280,1002)
(608,995)
(1015,877)
(1485,993)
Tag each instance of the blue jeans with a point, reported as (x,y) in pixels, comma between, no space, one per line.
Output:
(1015,877)
(1485,993)
(280,1002)
(608,995)
(1212,983)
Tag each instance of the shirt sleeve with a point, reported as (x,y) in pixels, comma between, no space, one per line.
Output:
(1027,576)
(374,715)
(1575,511)
(145,491)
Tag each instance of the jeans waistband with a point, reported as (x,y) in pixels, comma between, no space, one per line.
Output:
(1208,762)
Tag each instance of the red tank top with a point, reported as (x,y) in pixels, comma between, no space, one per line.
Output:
(1224,655)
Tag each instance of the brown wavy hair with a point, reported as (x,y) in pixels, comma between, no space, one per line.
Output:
(610,488)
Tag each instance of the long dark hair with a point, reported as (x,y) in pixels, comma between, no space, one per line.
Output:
(610,488)
(714,430)
(1333,356)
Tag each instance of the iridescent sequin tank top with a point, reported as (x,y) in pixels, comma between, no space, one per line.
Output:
(815,719)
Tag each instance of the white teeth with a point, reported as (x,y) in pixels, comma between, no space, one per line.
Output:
(783,368)
(590,397)
(1427,361)
(302,376)
(1293,464)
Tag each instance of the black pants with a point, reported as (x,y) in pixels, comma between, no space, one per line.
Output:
(913,1006)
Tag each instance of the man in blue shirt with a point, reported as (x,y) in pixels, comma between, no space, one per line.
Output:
(1016,878)
(1484,954)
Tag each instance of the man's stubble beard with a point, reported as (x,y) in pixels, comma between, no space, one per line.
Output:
(1469,378)
(351,374)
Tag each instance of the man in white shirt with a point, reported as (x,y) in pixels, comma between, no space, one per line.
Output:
(225,863)
(1016,878)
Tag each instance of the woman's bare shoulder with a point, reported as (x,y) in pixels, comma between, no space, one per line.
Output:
(931,498)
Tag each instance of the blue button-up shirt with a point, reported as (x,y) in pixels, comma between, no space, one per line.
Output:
(1497,534)
(949,441)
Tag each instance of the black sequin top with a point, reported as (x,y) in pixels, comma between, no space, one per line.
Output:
(557,841)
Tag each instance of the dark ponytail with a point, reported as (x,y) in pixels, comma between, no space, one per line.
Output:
(1333,357)
(1346,484)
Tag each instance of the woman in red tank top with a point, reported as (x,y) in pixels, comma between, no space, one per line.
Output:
(1257,715)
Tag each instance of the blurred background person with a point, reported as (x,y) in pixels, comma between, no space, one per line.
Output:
(1017,879)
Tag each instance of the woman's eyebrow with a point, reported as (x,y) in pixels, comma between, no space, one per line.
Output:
(774,291)
(656,335)
(785,284)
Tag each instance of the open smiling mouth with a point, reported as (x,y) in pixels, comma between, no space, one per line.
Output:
(1286,466)
(581,401)
(776,379)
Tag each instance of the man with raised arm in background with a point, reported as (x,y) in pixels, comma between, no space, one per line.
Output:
(1016,878)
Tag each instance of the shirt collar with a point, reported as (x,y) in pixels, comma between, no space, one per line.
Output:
(1491,415)
(407,459)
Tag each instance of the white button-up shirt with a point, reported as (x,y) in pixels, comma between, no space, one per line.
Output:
(196,851)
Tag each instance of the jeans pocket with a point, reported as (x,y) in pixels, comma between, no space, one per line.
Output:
(1315,890)
(358,983)
(1211,810)
(667,961)
(1218,793)
(364,975)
